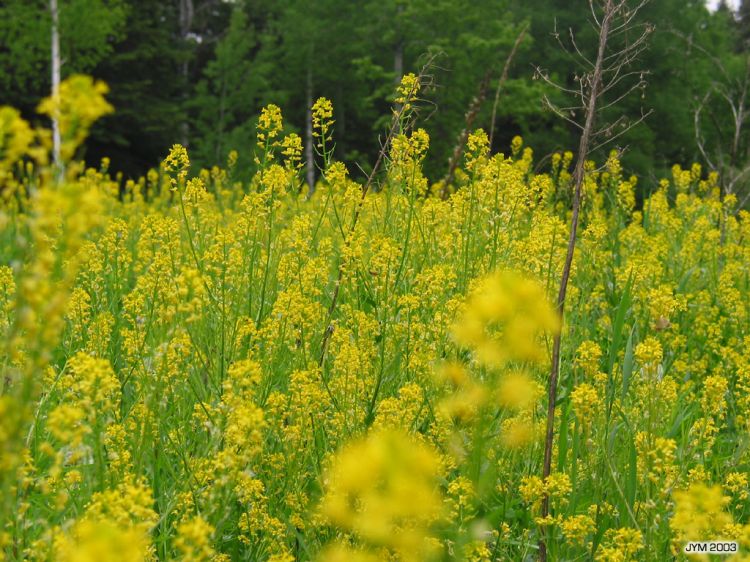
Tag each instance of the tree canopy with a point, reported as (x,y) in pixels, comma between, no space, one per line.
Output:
(199,71)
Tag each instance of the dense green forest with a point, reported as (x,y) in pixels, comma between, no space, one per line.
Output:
(198,72)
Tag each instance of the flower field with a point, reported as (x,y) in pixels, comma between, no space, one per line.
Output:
(198,367)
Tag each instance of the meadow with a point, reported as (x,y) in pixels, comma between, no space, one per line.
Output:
(201,368)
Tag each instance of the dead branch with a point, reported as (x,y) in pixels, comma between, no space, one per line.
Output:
(699,140)
(504,78)
(609,70)
(474,107)
(471,115)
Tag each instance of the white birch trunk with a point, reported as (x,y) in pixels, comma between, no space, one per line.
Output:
(309,156)
(187,12)
(55,40)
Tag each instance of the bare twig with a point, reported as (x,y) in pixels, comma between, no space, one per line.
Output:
(471,115)
(561,112)
(625,129)
(734,92)
(699,140)
(504,78)
(474,107)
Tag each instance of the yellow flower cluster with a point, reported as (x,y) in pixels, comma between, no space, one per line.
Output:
(198,367)
(383,489)
(322,118)
(270,123)
(586,403)
(408,89)
(77,104)
(504,319)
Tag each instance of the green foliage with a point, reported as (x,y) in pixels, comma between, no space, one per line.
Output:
(227,95)
(202,80)
(88,30)
(145,87)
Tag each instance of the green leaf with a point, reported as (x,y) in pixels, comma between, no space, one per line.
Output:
(617,326)
(627,364)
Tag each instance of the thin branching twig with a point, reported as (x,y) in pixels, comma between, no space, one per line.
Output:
(608,70)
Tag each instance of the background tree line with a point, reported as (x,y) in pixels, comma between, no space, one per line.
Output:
(198,72)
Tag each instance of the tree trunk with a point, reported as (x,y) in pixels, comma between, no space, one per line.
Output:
(398,62)
(309,154)
(340,123)
(398,51)
(55,40)
(187,11)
